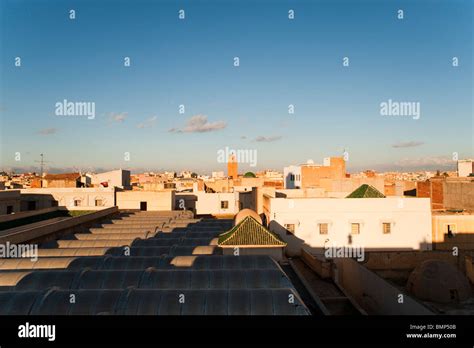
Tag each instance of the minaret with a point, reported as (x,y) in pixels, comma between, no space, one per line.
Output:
(232,167)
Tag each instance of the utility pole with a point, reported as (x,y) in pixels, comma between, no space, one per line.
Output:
(42,163)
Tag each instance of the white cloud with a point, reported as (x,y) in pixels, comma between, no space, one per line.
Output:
(199,124)
(262,138)
(47,131)
(149,123)
(115,117)
(425,161)
(407,144)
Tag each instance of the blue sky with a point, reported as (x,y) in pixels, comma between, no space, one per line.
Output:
(190,62)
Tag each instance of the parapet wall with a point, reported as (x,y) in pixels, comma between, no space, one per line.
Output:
(459,195)
(25,214)
(47,230)
(374,294)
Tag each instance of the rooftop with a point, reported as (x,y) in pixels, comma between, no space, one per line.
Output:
(366,191)
(170,254)
(249,232)
(66,176)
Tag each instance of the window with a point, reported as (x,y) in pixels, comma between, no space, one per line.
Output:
(292,177)
(386,227)
(99,203)
(355,228)
(77,202)
(224,204)
(323,228)
(290,228)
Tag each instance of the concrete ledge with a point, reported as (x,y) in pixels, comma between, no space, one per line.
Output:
(309,289)
(390,260)
(27,233)
(25,214)
(319,265)
(373,293)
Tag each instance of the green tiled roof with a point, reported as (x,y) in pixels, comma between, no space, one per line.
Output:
(250,232)
(366,191)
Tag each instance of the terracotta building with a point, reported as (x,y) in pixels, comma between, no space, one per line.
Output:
(232,167)
(448,193)
(62,180)
(309,175)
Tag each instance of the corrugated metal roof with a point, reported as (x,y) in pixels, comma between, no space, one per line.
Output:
(150,277)
(153,302)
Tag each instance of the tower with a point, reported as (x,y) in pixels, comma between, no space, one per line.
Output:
(232,166)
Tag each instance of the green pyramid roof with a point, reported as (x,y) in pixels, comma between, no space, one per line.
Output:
(249,232)
(366,191)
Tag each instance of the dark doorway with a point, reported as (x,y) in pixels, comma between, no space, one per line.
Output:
(143,206)
(9,209)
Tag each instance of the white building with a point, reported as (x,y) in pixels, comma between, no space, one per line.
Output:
(169,175)
(292,177)
(392,223)
(146,200)
(218,175)
(204,203)
(465,167)
(186,174)
(217,203)
(115,178)
(69,197)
